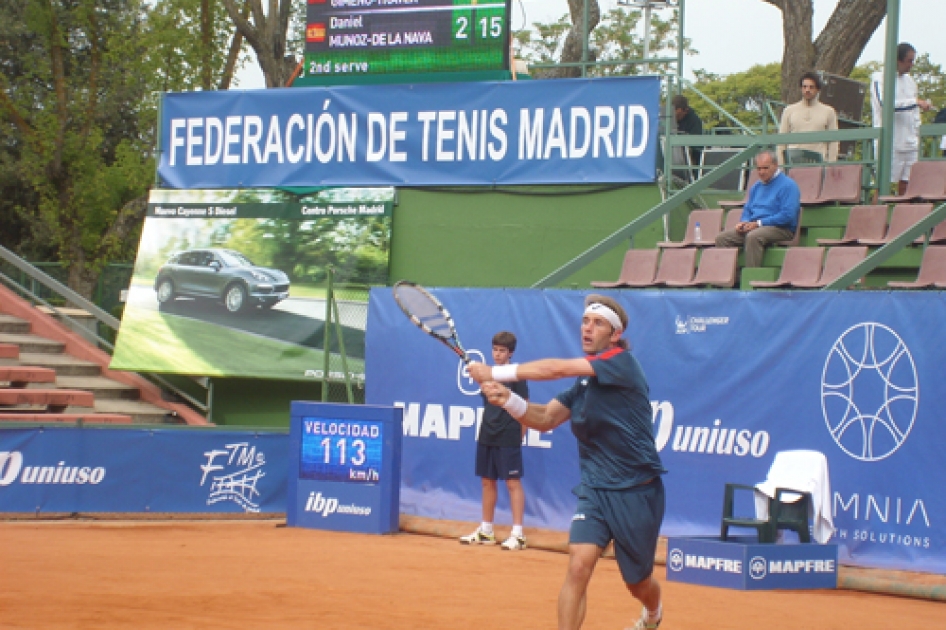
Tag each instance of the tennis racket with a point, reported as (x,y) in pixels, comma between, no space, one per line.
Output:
(429,315)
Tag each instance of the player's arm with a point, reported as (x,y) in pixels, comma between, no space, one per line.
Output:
(532,415)
(541,370)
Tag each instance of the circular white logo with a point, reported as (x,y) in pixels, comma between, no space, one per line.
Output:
(869,391)
(757,568)
(465,383)
(676,560)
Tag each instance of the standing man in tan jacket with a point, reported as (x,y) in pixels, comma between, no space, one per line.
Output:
(810,114)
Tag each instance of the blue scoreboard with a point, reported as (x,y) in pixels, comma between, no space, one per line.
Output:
(344,467)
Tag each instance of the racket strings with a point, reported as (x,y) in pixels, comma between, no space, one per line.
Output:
(419,306)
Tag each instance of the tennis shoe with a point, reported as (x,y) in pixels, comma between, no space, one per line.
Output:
(479,537)
(643,624)
(514,543)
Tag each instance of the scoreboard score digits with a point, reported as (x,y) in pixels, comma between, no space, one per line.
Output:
(341,450)
(373,37)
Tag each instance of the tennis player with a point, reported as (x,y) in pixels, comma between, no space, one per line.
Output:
(621,495)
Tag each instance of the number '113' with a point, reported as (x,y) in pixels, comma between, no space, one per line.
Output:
(341,446)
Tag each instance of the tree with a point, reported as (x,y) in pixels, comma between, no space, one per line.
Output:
(838,46)
(560,42)
(68,116)
(192,43)
(614,39)
(741,94)
(268,35)
(78,111)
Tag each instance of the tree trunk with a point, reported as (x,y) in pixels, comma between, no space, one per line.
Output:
(206,44)
(844,37)
(266,34)
(571,51)
(836,49)
(798,54)
(81,280)
(233,55)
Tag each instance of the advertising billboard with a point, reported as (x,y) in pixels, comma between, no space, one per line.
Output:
(232,282)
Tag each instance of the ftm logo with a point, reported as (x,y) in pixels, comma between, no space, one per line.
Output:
(869,391)
(234,471)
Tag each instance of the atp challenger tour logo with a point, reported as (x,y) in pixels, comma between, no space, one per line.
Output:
(869,392)
(697,324)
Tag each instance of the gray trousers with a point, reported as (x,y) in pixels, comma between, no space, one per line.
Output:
(755,241)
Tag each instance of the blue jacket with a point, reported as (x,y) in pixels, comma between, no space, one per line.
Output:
(776,203)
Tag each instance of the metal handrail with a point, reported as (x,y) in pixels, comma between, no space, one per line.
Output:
(100,316)
(658,211)
(93,336)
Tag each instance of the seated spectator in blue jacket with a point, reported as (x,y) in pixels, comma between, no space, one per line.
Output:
(770,214)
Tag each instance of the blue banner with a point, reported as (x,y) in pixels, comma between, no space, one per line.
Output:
(734,377)
(520,132)
(142,470)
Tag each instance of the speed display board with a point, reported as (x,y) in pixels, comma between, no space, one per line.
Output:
(344,467)
(341,449)
(376,37)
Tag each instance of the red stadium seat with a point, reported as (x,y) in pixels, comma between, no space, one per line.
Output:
(801,264)
(867,222)
(838,261)
(717,268)
(932,270)
(638,270)
(676,265)
(710,221)
(904,216)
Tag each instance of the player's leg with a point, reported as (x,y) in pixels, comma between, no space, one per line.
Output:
(486,471)
(572,599)
(635,516)
(490,496)
(517,502)
(510,470)
(587,538)
(647,592)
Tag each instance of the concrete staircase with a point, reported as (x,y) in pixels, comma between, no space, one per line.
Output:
(111,396)
(30,336)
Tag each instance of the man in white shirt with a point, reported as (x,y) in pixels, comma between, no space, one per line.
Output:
(906,125)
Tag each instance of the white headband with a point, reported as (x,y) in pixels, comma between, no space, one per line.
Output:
(596,308)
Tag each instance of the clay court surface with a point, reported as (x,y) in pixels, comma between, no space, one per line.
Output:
(260,574)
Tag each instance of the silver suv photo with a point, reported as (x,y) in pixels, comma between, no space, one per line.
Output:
(220,274)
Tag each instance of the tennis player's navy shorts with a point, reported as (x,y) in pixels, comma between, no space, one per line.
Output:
(631,517)
(498,462)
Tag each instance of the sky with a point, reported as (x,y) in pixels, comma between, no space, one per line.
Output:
(732,35)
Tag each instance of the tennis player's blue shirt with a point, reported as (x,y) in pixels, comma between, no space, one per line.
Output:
(775,204)
(612,418)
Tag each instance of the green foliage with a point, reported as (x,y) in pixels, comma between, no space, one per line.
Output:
(931,83)
(742,94)
(615,39)
(176,52)
(79,82)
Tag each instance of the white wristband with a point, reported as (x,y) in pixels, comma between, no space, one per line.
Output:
(516,405)
(506,373)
